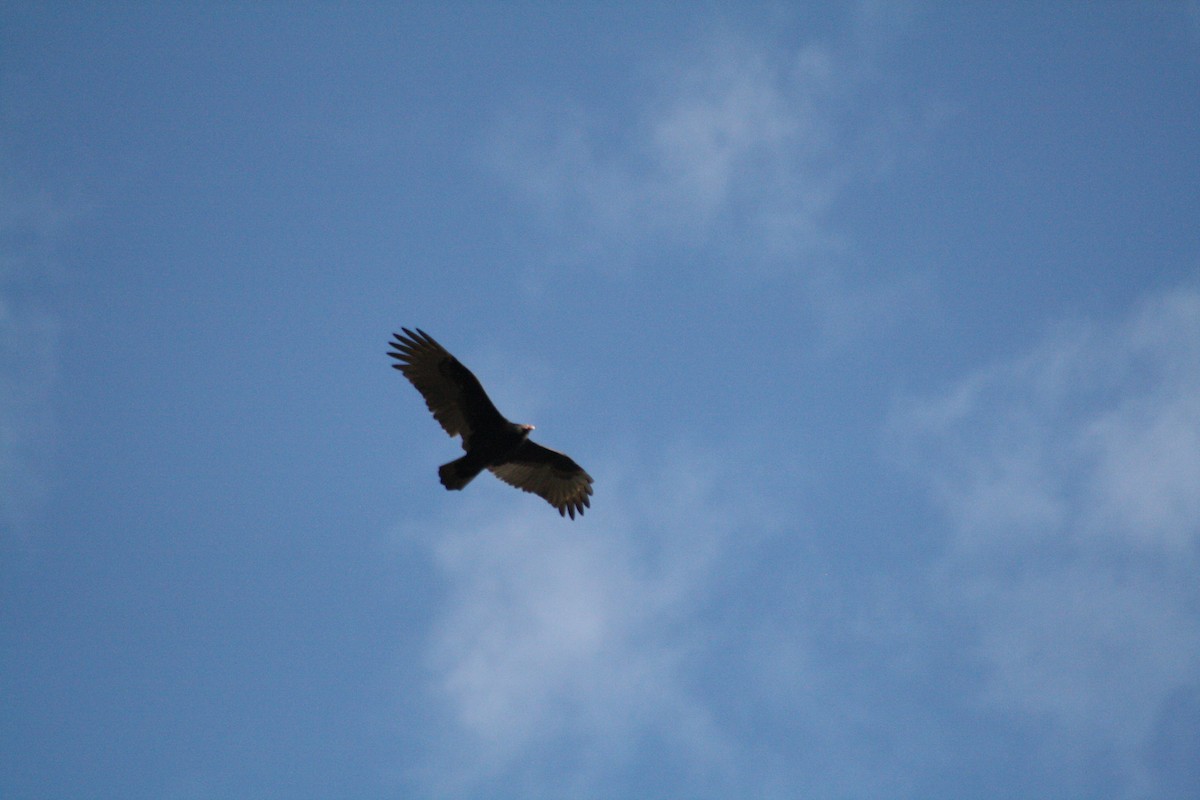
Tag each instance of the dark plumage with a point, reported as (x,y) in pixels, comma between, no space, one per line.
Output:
(491,442)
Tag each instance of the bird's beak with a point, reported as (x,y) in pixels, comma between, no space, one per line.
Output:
(527,427)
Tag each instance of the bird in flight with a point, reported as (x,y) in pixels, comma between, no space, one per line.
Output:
(491,442)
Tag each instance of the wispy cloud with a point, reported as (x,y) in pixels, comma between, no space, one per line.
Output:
(1068,477)
(561,655)
(738,147)
(28,355)
(686,631)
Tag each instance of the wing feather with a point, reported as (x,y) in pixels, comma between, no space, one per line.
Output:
(454,395)
(549,474)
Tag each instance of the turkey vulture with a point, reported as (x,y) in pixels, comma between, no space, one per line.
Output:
(460,405)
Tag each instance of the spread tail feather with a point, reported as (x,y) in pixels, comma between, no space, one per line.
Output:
(458,473)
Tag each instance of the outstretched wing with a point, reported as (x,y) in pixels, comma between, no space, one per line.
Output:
(452,393)
(549,474)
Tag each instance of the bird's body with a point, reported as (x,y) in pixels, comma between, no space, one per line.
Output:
(483,451)
(462,408)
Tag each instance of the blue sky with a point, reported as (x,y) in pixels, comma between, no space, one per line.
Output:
(878,326)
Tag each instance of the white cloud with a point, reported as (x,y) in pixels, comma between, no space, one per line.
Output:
(1069,477)
(1146,446)
(564,650)
(27,345)
(28,356)
(737,147)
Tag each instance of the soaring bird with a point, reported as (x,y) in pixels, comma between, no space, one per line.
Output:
(491,442)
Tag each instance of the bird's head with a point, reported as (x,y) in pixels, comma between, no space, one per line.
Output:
(525,430)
